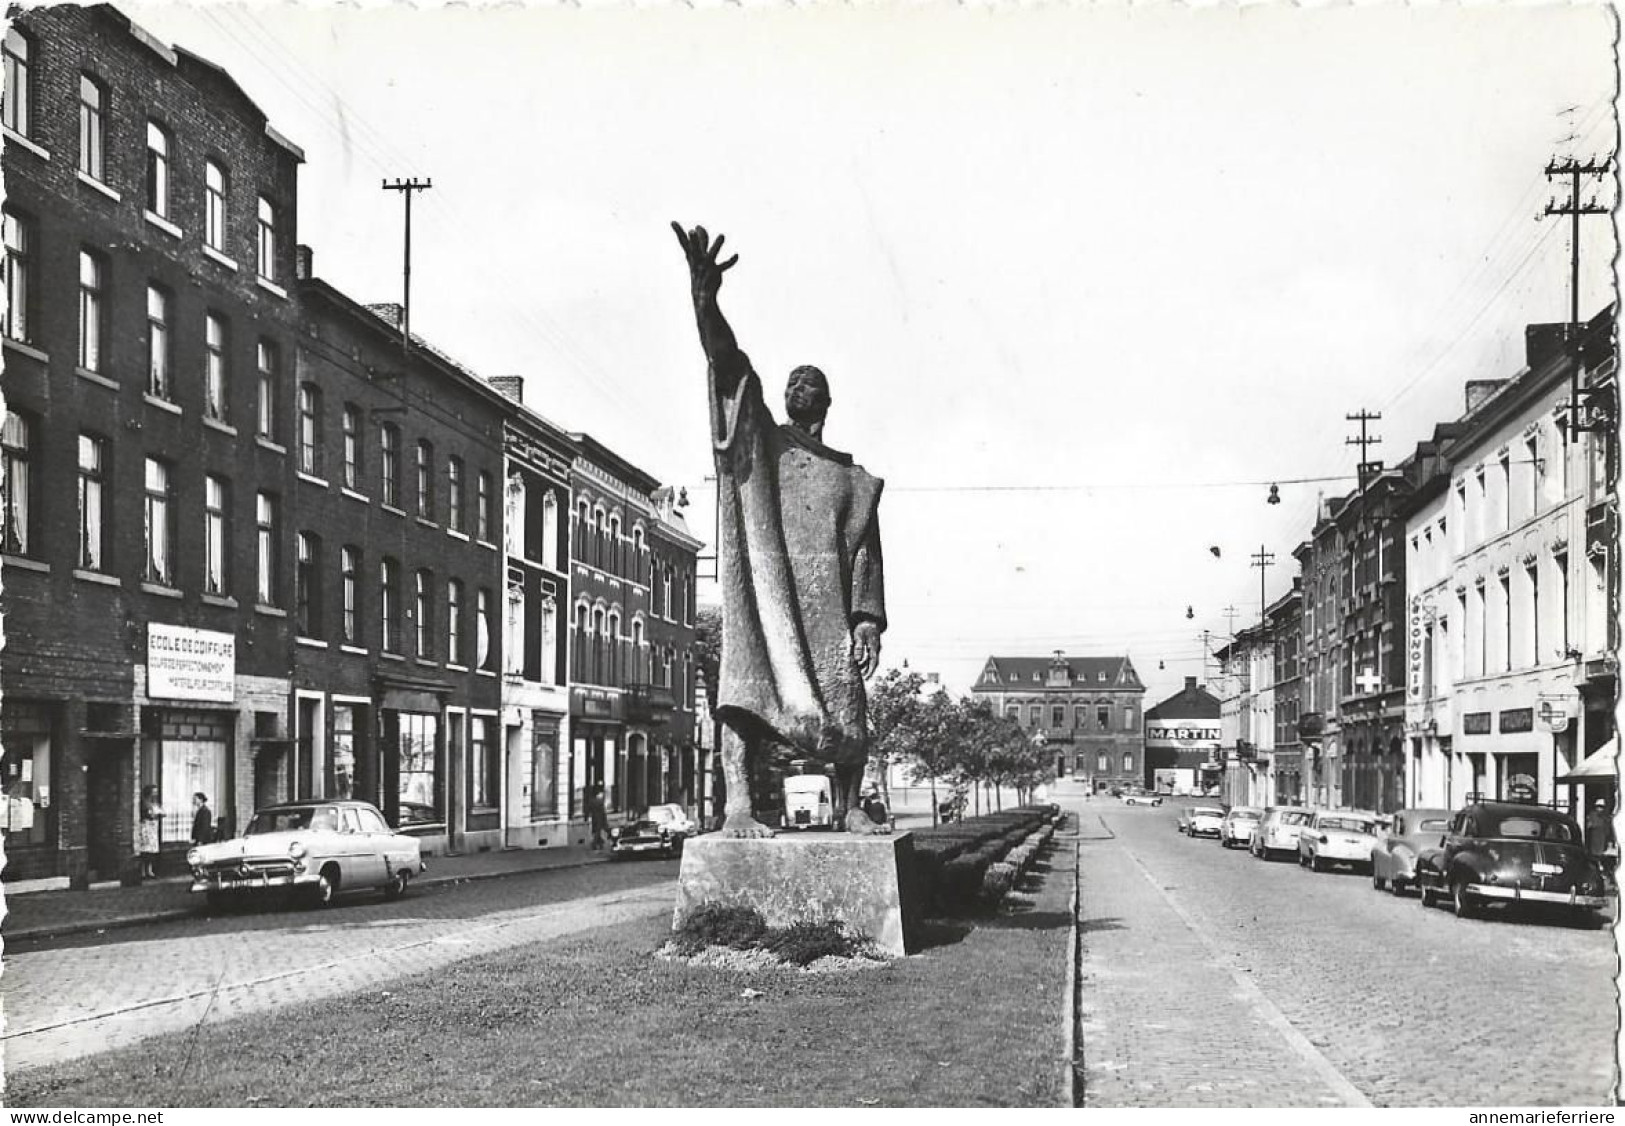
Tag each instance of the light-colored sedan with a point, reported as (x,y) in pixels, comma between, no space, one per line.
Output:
(1206,820)
(1279,829)
(1239,825)
(1337,836)
(320,848)
(1393,860)
(1142,799)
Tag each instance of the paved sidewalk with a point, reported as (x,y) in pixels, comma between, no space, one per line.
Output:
(49,914)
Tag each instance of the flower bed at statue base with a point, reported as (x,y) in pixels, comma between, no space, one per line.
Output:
(730,937)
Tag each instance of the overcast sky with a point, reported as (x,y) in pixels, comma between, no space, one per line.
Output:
(1084,281)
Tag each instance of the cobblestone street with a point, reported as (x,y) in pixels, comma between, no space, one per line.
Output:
(1210,978)
(95,992)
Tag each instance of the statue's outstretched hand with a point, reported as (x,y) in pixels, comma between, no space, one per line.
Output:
(704,271)
(866,647)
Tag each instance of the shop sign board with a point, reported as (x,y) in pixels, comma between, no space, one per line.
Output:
(190,664)
(1517,720)
(1181,734)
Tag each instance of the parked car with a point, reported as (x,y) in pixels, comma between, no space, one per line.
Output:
(1239,825)
(645,837)
(319,848)
(1278,830)
(1509,853)
(1142,798)
(1183,824)
(1206,820)
(1337,836)
(674,817)
(1393,861)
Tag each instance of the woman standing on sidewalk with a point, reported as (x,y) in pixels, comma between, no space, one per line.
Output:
(148,840)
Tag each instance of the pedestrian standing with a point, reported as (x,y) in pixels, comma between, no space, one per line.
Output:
(149,838)
(202,819)
(1599,828)
(597,815)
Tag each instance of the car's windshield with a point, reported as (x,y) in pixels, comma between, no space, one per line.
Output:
(1434,825)
(1244,815)
(643,827)
(1209,813)
(1295,817)
(282,820)
(1535,829)
(1349,824)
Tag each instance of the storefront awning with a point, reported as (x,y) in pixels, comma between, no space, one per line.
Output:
(1598,765)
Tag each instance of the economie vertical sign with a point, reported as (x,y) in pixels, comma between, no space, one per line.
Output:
(1416,641)
(190,664)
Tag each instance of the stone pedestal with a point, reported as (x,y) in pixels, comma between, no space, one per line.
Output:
(867,883)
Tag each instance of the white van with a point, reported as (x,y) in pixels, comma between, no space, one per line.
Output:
(809,802)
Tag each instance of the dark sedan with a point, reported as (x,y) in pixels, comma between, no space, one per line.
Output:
(1501,852)
(646,838)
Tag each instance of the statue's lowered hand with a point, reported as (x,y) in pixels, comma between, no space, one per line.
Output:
(866,648)
(704,271)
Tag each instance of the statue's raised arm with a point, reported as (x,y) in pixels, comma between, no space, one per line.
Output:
(705,279)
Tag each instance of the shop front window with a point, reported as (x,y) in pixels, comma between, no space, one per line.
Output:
(190,766)
(341,781)
(26,772)
(544,795)
(419,788)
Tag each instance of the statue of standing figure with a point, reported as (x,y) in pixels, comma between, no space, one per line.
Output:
(803,591)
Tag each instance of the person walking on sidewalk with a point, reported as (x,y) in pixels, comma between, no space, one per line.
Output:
(202,820)
(597,815)
(148,838)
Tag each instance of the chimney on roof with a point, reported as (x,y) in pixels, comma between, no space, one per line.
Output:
(513,386)
(1542,342)
(1190,684)
(1479,390)
(304,262)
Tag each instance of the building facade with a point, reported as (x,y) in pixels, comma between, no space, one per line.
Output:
(1087,710)
(535,645)
(397,572)
(1285,618)
(1510,606)
(1183,734)
(147,472)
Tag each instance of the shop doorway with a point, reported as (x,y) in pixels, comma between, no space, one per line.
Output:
(109,782)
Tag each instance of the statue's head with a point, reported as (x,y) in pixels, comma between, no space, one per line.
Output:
(806,395)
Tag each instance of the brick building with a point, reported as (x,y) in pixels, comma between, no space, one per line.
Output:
(632,632)
(1285,618)
(147,468)
(1087,710)
(397,572)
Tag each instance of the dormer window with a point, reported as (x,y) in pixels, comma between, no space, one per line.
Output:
(1101,677)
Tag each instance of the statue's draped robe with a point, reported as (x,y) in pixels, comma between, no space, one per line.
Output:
(800,555)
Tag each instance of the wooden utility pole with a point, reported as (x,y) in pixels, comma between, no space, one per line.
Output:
(1365,440)
(406,188)
(1574,208)
(1262,559)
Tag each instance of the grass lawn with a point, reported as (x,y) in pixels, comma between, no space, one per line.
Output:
(594,1020)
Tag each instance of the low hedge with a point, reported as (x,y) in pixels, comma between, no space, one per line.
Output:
(952,861)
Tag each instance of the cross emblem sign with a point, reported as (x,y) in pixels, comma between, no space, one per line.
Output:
(1369,681)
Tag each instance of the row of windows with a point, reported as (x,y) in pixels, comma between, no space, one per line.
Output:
(1080,716)
(438,618)
(597,541)
(18,111)
(604,655)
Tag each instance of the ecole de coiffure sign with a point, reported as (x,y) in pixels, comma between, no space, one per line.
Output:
(190,664)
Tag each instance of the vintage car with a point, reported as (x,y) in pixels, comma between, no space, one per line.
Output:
(1206,821)
(1239,825)
(1278,830)
(1337,836)
(646,837)
(318,848)
(1140,797)
(1183,824)
(674,817)
(1412,831)
(1511,854)
(809,802)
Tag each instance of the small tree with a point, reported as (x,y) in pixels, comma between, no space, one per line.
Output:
(895,714)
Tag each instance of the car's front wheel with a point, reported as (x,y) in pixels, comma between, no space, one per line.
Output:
(397,885)
(1396,886)
(325,887)
(1315,865)
(1376,880)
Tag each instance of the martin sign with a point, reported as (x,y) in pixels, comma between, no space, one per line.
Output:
(190,664)
(1181,734)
